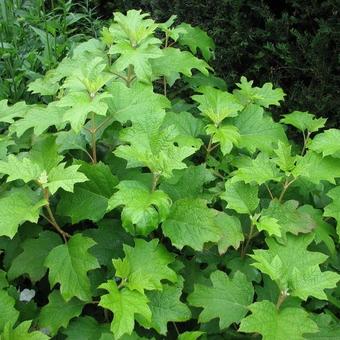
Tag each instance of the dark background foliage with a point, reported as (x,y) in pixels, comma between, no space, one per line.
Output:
(291,43)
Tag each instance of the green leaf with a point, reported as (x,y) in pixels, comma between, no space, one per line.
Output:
(316,168)
(174,61)
(257,130)
(68,265)
(269,225)
(139,274)
(231,232)
(133,103)
(17,206)
(241,197)
(226,135)
(143,209)
(195,38)
(329,327)
(333,209)
(190,335)
(89,200)
(8,113)
(327,143)
(31,260)
(8,312)
(16,168)
(284,159)
(295,268)
(153,147)
(58,313)
(177,186)
(290,217)
(138,56)
(227,298)
(64,178)
(191,223)
(217,104)
(134,26)
(262,96)
(38,118)
(272,323)
(304,121)
(259,170)
(165,306)
(85,328)
(79,105)
(125,304)
(21,332)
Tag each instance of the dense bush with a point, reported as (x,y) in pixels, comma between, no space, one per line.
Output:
(130,210)
(291,43)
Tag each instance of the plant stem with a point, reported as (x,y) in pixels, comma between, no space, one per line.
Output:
(155,182)
(285,187)
(129,76)
(269,191)
(305,141)
(52,219)
(282,297)
(93,140)
(250,236)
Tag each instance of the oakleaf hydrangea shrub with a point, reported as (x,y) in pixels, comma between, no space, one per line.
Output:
(143,200)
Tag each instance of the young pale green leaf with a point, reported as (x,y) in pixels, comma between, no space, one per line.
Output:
(89,199)
(17,206)
(327,143)
(8,312)
(263,96)
(284,159)
(68,265)
(153,147)
(195,38)
(226,135)
(333,209)
(295,268)
(227,298)
(165,306)
(191,223)
(79,105)
(8,113)
(125,304)
(64,178)
(260,170)
(217,104)
(134,26)
(269,225)
(257,130)
(174,61)
(316,168)
(22,332)
(241,197)
(143,209)
(58,313)
(137,56)
(31,260)
(278,324)
(304,121)
(145,265)
(290,218)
